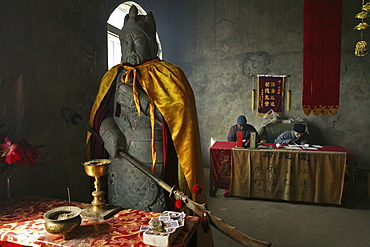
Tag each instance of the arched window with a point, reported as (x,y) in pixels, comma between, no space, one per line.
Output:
(114,25)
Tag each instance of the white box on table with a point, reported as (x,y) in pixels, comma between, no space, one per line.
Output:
(163,240)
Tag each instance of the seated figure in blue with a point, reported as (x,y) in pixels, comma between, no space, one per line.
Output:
(296,136)
(241,126)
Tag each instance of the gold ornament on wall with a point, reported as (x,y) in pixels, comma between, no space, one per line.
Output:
(361,26)
(366,7)
(361,46)
(361,15)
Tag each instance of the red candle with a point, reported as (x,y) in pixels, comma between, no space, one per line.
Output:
(239,139)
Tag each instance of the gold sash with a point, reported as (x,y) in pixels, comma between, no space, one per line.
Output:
(168,90)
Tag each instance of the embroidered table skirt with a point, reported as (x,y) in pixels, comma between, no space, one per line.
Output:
(283,174)
(288,175)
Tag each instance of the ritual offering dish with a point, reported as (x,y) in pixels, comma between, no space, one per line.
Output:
(163,230)
(62,220)
(97,168)
(99,209)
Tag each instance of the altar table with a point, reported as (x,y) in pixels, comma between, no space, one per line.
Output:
(319,176)
(23,223)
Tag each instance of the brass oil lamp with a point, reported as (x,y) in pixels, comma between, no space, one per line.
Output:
(98,209)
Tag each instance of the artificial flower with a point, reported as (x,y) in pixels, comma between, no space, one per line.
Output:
(30,153)
(179,204)
(196,189)
(5,144)
(17,153)
(13,152)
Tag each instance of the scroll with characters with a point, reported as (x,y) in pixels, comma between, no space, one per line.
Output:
(270,93)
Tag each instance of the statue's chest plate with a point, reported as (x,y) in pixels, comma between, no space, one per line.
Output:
(136,128)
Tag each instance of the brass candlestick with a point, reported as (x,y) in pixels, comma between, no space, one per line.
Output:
(98,209)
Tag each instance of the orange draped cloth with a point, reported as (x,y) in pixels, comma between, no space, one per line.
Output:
(169,90)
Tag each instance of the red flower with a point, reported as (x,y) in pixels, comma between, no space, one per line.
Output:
(18,154)
(13,152)
(30,153)
(15,155)
(5,144)
(196,189)
(179,204)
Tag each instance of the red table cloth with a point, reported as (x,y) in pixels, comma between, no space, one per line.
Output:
(23,223)
(221,161)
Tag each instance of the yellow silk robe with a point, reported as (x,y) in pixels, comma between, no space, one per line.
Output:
(167,87)
(169,90)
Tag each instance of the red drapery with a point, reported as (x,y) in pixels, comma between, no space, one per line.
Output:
(321,56)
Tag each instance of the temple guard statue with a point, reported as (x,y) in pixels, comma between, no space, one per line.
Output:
(146,107)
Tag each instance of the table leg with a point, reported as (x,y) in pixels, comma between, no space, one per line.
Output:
(350,183)
(212,189)
(368,184)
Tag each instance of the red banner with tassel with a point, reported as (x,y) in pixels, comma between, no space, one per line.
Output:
(270,94)
(321,56)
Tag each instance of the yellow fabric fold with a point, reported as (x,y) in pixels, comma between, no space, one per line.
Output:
(168,90)
(132,72)
(102,91)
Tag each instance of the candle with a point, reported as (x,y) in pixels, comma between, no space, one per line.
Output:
(253,90)
(239,139)
(288,100)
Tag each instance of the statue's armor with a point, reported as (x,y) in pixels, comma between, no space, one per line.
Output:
(129,187)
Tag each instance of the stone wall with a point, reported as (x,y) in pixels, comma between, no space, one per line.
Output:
(53,54)
(230,40)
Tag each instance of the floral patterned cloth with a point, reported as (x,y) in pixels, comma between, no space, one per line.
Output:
(23,223)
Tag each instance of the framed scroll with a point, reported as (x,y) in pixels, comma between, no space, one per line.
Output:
(270,93)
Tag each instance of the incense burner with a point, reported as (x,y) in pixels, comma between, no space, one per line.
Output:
(62,220)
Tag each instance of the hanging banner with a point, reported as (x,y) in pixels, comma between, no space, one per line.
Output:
(322,39)
(270,94)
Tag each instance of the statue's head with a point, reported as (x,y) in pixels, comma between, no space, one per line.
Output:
(138,37)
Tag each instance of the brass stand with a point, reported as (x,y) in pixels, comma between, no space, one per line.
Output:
(98,209)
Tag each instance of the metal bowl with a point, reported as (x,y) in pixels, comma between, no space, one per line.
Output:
(97,167)
(62,220)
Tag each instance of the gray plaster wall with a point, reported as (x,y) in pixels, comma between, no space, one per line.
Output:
(234,39)
(53,54)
